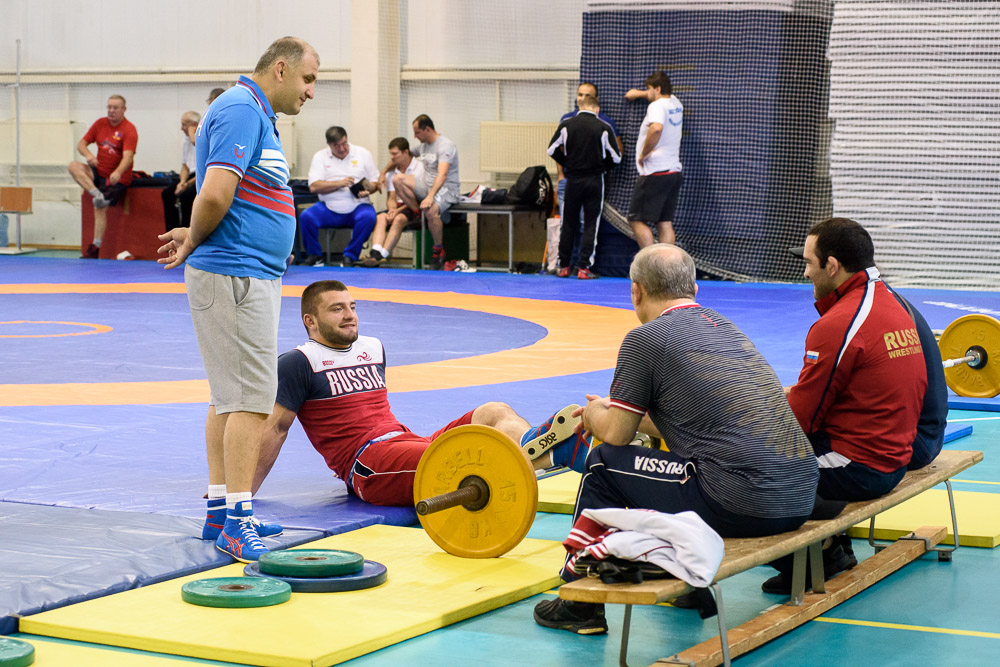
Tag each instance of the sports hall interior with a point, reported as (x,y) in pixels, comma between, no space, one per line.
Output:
(795,111)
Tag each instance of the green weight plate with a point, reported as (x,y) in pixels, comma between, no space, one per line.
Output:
(15,653)
(311,563)
(236,592)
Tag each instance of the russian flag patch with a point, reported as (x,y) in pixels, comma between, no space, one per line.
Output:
(811,356)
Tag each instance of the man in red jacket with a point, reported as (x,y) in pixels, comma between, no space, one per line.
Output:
(863,378)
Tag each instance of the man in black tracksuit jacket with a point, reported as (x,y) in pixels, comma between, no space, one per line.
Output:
(586,147)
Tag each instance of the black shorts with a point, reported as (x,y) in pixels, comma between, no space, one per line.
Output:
(654,198)
(113,193)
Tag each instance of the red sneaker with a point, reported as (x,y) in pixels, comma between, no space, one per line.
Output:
(587,274)
(563,272)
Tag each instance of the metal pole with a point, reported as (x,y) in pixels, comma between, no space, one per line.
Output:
(17,137)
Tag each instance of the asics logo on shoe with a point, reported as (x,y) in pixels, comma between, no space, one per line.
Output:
(547,439)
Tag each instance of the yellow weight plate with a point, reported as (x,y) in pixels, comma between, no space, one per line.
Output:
(489,454)
(967,332)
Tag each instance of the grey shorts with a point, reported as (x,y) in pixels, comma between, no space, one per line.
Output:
(445,198)
(236,324)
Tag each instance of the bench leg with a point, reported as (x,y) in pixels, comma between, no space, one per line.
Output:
(799,576)
(723,636)
(818,573)
(723,628)
(944,553)
(623,652)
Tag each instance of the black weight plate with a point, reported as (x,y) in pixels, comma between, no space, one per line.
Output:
(311,563)
(371,575)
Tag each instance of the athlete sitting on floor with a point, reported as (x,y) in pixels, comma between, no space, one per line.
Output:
(335,385)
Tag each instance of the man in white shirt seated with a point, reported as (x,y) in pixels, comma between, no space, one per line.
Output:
(389,224)
(178,198)
(343,175)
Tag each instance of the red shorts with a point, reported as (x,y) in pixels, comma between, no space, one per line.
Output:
(383,472)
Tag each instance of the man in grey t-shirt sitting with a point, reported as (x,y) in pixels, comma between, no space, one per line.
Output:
(738,457)
(439,188)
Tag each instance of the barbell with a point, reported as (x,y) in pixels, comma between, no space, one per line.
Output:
(476,494)
(970,348)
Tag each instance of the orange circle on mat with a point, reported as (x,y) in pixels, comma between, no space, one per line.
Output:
(95,328)
(581,338)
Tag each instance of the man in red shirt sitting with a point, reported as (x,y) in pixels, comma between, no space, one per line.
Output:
(106,175)
(861,388)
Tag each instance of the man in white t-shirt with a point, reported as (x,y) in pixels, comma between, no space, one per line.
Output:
(657,157)
(389,224)
(440,187)
(343,175)
(179,197)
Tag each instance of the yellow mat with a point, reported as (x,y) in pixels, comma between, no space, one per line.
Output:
(978,518)
(557,494)
(426,589)
(58,654)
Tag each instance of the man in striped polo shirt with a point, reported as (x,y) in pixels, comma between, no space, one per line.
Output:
(737,457)
(242,227)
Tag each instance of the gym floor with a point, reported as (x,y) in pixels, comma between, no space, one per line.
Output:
(79,336)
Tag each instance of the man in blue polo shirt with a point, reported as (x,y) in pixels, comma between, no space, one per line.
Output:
(242,227)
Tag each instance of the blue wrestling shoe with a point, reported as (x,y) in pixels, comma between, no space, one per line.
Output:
(557,434)
(216,518)
(239,536)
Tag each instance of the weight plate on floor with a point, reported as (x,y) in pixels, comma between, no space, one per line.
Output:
(490,455)
(372,574)
(965,333)
(16,653)
(311,562)
(236,592)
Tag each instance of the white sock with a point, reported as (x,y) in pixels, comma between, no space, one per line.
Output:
(97,243)
(233,499)
(95,193)
(216,491)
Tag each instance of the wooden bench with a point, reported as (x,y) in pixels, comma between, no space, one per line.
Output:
(744,554)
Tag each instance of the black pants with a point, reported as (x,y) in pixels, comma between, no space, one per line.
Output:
(172,217)
(611,480)
(586,192)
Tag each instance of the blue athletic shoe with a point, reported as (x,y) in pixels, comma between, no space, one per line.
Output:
(557,434)
(239,536)
(216,518)
(266,529)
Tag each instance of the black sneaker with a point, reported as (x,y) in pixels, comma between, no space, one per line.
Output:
(311,260)
(348,261)
(437,261)
(373,259)
(583,618)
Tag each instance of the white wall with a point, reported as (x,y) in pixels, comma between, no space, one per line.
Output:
(164,57)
